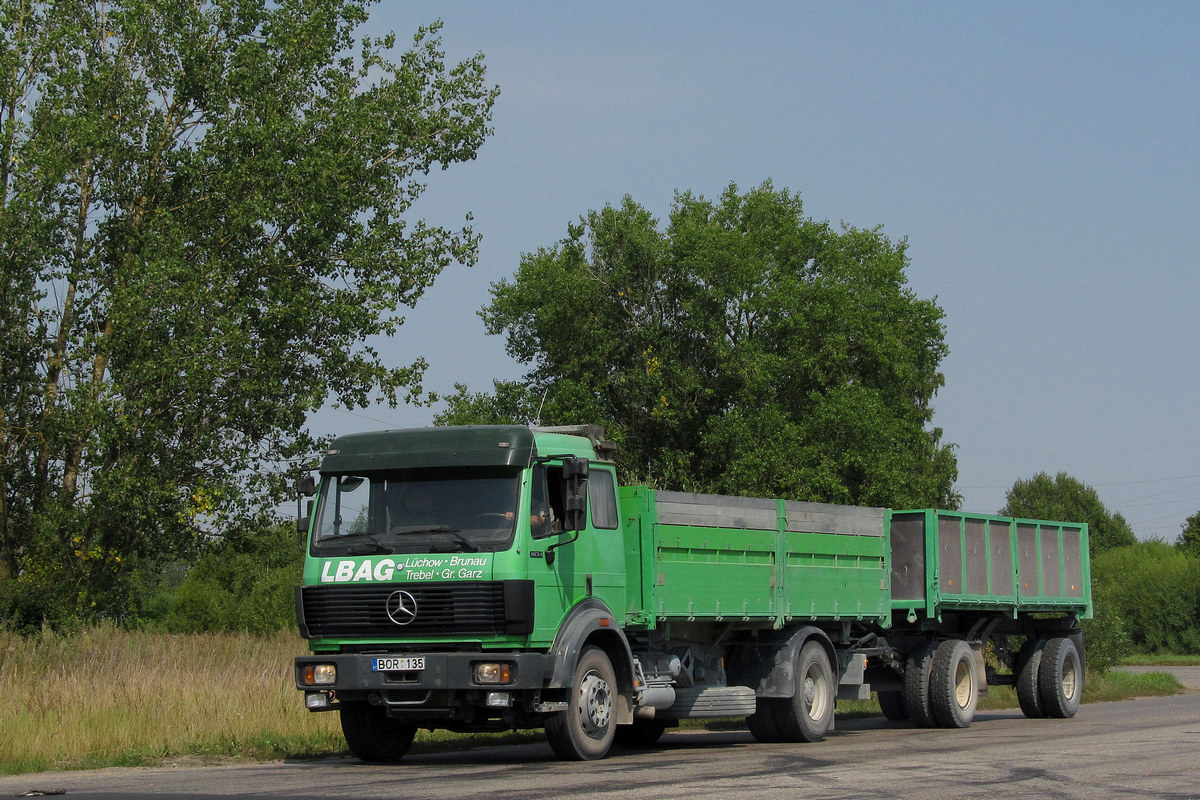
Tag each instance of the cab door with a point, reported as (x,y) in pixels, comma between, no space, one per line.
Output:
(568,566)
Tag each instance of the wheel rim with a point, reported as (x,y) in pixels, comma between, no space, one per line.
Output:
(595,705)
(1070,679)
(816,693)
(963,685)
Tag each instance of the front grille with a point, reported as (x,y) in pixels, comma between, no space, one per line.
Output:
(478,608)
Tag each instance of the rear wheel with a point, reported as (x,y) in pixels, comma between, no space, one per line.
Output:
(371,736)
(808,715)
(892,706)
(585,730)
(954,684)
(1060,678)
(642,733)
(762,722)
(1029,662)
(916,685)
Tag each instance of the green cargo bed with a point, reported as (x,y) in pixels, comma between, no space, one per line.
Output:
(707,557)
(948,560)
(698,557)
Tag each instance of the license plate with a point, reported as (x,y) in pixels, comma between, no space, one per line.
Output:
(398,664)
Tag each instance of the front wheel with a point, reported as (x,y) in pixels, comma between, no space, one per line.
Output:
(373,737)
(1060,678)
(1029,663)
(585,730)
(954,684)
(808,715)
(916,685)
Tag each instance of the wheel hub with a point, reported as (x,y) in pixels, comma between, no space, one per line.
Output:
(595,705)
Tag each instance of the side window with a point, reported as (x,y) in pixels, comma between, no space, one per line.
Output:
(546,501)
(602,498)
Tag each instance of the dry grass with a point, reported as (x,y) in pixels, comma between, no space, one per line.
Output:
(107,696)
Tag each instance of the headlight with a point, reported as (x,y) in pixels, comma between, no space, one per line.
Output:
(494,673)
(320,674)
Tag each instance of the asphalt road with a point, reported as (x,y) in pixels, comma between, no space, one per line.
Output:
(1146,748)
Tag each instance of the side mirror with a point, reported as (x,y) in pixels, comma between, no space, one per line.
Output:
(302,520)
(306,486)
(575,502)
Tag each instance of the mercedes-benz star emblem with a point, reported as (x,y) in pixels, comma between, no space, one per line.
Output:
(401,607)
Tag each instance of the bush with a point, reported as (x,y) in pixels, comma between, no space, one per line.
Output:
(1105,637)
(243,584)
(1155,591)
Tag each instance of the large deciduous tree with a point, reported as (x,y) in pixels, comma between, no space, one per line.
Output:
(743,349)
(202,218)
(1067,499)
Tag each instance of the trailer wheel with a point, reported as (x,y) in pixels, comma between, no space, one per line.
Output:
(585,730)
(1029,662)
(1060,678)
(916,685)
(371,736)
(954,684)
(808,715)
(892,706)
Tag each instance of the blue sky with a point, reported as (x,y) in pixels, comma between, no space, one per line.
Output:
(1042,160)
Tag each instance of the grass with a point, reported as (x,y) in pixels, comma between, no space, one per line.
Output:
(105,696)
(108,697)
(1161,661)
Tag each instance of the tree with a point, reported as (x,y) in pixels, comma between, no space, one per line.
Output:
(1066,499)
(202,219)
(743,349)
(1189,535)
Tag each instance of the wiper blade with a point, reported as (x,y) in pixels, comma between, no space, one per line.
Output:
(371,547)
(367,549)
(465,545)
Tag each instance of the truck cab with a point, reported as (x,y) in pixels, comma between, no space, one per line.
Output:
(452,576)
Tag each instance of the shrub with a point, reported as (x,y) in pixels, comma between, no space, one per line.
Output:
(1105,637)
(240,584)
(1155,590)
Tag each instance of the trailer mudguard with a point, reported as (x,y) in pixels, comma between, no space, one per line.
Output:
(770,665)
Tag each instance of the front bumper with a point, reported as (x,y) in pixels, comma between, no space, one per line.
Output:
(443,671)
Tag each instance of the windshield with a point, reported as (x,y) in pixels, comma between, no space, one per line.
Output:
(457,509)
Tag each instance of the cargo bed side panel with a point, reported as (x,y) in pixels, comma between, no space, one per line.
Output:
(949,560)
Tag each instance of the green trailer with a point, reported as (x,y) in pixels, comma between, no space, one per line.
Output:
(491,578)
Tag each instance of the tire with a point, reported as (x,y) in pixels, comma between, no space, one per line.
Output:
(954,684)
(892,706)
(642,733)
(762,722)
(1029,695)
(585,730)
(1060,678)
(916,685)
(808,715)
(373,737)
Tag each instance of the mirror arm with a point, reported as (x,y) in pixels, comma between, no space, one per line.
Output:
(550,550)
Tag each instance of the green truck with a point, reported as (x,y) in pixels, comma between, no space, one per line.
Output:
(494,578)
